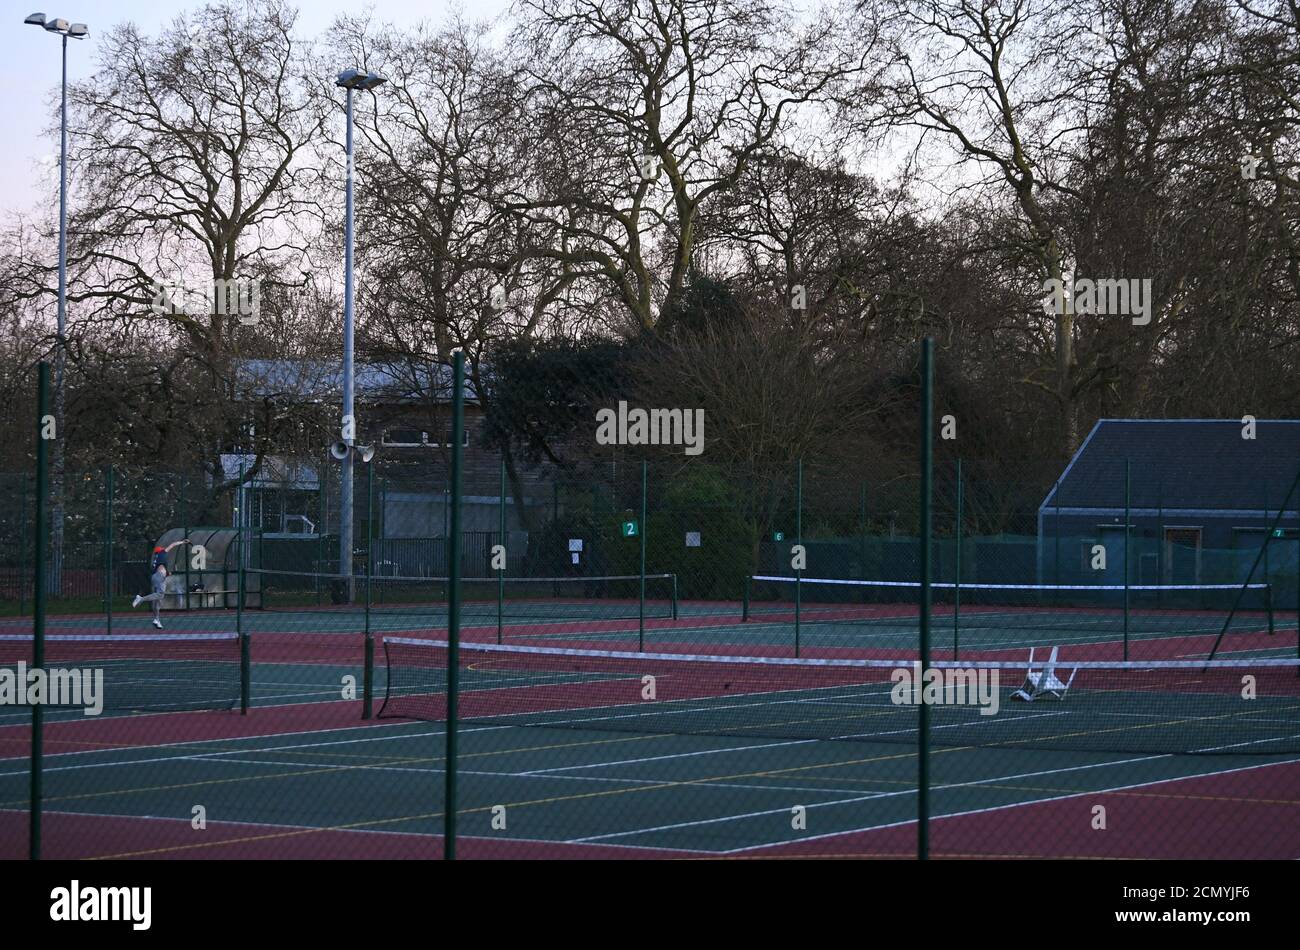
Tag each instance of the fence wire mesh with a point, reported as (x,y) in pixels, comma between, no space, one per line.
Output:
(657,660)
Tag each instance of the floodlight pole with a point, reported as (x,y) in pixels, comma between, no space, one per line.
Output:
(56,510)
(349,419)
(76,31)
(350,80)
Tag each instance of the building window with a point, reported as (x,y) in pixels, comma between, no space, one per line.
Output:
(405,438)
(417,438)
(464,440)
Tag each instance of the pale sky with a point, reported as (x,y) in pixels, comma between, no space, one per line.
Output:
(28,166)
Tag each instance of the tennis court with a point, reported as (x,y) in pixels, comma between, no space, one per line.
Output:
(558,761)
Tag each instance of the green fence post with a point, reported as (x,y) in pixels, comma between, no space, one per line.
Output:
(1267,538)
(244,645)
(923,710)
(798,540)
(383,527)
(368,640)
(370,538)
(185,549)
(261,531)
(640,637)
(320,534)
(744,599)
(38,607)
(1056,531)
(453,608)
(505,552)
(108,549)
(1128,530)
(862,530)
(956,587)
(1160,540)
(22,546)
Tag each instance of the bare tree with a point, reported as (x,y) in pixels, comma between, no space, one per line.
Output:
(191,171)
(643,112)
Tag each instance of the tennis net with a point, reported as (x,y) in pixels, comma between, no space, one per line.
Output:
(1225,706)
(518,599)
(144,672)
(1083,609)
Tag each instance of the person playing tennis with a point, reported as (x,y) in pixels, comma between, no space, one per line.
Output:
(158,565)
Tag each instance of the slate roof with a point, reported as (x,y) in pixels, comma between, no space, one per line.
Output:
(309,379)
(1182,463)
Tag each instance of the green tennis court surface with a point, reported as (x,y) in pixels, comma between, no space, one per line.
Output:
(301,775)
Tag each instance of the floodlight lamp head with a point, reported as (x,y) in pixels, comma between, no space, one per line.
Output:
(36,19)
(57,26)
(78,30)
(359,79)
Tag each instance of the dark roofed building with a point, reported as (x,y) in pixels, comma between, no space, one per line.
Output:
(1201,496)
(403,410)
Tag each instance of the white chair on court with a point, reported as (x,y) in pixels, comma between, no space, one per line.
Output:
(1043,683)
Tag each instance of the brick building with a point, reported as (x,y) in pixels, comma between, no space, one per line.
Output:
(404,412)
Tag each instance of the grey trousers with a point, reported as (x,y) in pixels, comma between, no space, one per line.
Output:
(159,583)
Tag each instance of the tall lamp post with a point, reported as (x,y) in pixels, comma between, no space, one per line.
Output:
(76,31)
(351,80)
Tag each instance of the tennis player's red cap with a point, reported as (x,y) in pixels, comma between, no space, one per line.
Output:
(157,549)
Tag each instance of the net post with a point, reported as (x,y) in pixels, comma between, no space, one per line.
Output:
(923,710)
(505,554)
(453,609)
(640,635)
(38,608)
(956,587)
(1268,606)
(368,677)
(744,600)
(674,577)
(1127,532)
(798,540)
(108,549)
(1251,573)
(245,672)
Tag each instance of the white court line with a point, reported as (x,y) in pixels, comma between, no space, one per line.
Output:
(1010,805)
(214,756)
(912,791)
